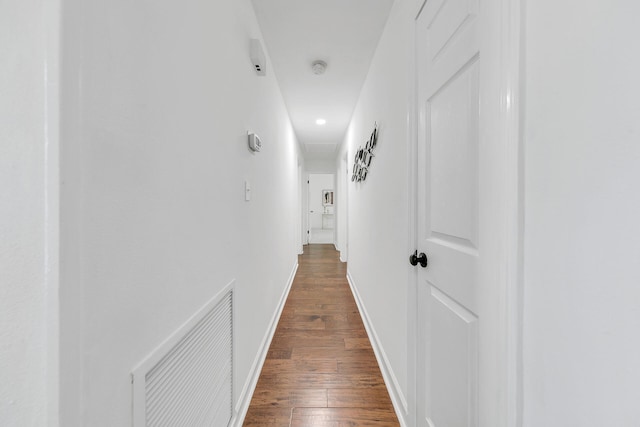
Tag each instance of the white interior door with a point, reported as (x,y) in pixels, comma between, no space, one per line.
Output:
(448,57)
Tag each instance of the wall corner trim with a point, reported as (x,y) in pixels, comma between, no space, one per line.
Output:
(244,399)
(397,397)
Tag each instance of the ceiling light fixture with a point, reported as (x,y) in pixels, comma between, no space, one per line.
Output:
(321,122)
(319,67)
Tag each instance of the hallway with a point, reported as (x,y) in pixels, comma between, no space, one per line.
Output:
(155,165)
(320,369)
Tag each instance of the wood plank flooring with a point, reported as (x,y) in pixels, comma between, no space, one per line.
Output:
(320,370)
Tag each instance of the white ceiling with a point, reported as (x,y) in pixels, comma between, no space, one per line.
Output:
(344,34)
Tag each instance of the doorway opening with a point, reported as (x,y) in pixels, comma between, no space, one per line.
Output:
(321,201)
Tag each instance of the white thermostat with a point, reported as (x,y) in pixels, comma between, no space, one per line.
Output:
(255,143)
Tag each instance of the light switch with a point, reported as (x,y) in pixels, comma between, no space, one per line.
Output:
(247,191)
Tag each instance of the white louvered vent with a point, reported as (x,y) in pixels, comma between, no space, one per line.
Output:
(188,380)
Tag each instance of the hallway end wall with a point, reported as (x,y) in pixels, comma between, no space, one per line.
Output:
(158,100)
(378,229)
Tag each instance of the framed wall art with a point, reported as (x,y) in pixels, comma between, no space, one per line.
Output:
(327,197)
(364,156)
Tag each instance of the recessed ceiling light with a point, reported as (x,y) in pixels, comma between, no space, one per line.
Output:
(321,122)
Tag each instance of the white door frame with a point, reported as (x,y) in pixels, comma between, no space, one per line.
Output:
(300,223)
(304,212)
(342,213)
(500,281)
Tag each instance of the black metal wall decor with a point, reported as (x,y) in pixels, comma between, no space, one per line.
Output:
(363,157)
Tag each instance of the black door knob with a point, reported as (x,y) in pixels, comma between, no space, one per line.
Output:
(414,259)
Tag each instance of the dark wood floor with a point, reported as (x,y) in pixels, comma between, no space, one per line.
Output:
(320,369)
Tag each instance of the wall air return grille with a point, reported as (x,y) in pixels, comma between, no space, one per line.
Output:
(188,380)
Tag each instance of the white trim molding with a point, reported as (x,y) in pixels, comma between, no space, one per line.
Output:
(256,368)
(500,279)
(393,386)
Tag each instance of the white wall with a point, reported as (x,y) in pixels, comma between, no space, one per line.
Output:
(313,165)
(582,231)
(378,208)
(27,161)
(158,99)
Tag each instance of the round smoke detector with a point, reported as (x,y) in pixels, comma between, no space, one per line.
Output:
(319,67)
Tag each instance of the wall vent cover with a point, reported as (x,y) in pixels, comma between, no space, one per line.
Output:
(188,380)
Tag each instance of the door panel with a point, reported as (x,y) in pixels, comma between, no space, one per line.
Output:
(448,199)
(446,21)
(453,125)
(453,367)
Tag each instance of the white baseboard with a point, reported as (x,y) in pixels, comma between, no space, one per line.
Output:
(254,373)
(395,392)
(342,253)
